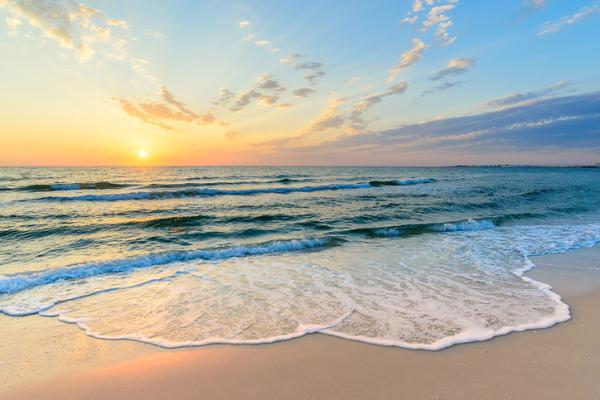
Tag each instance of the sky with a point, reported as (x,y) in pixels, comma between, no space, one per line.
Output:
(274,82)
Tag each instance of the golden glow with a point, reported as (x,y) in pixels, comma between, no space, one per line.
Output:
(143,154)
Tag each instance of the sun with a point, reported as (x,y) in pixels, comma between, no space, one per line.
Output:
(143,153)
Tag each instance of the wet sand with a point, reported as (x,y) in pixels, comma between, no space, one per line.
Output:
(42,358)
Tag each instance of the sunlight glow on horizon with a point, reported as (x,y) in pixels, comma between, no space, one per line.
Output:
(143,154)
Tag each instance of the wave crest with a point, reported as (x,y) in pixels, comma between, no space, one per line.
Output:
(19,282)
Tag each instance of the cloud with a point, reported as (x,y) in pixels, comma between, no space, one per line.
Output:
(73,26)
(408,58)
(535,4)
(437,17)
(350,81)
(517,98)
(270,83)
(119,23)
(138,65)
(133,111)
(262,43)
(13,24)
(164,114)
(251,36)
(314,77)
(553,27)
(313,71)
(154,34)
(266,91)
(291,59)
(312,65)
(170,98)
(455,67)
(417,6)
(357,111)
(224,97)
(245,99)
(410,20)
(328,118)
(303,92)
(571,122)
(439,88)
(231,134)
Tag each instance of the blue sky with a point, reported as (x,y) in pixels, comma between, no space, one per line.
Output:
(280,82)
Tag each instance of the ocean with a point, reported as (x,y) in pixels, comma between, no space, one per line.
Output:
(421,258)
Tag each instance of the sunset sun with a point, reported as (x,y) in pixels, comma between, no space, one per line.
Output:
(143,154)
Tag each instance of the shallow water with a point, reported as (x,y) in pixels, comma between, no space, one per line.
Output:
(413,257)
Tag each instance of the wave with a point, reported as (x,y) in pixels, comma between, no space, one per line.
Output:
(256,177)
(73,186)
(402,182)
(539,192)
(204,193)
(19,282)
(419,229)
(283,181)
(157,195)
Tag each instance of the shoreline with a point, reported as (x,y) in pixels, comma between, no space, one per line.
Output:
(52,359)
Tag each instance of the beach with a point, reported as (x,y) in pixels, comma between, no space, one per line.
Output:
(44,358)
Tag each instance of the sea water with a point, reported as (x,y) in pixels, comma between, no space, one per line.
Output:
(414,257)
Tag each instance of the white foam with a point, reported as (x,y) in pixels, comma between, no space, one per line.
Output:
(415,181)
(421,292)
(466,226)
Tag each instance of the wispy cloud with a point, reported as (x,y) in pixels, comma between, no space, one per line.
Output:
(455,67)
(535,4)
(553,27)
(517,98)
(73,26)
(251,37)
(303,92)
(262,43)
(410,20)
(358,110)
(266,91)
(558,123)
(291,59)
(224,97)
(164,114)
(313,71)
(440,88)
(269,82)
(329,117)
(417,6)
(231,134)
(408,58)
(134,111)
(154,34)
(437,17)
(350,81)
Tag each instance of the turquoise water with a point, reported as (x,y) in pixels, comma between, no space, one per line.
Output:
(413,257)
